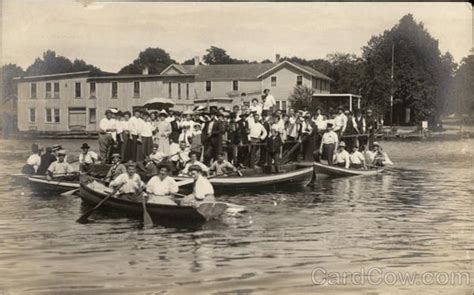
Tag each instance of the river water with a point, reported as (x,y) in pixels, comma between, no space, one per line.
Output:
(348,235)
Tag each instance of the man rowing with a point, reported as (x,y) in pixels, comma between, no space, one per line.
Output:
(203,192)
(221,166)
(87,158)
(161,188)
(129,183)
(60,168)
(342,157)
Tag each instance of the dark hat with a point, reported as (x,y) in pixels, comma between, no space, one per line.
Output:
(57,147)
(85,146)
(61,153)
(108,111)
(49,149)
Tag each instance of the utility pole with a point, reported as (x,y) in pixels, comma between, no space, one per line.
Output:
(391,87)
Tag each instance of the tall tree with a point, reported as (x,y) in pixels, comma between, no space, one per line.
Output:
(418,72)
(347,71)
(56,64)
(215,55)
(8,87)
(462,96)
(156,59)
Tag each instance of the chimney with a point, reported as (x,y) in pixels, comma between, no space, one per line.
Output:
(196,61)
(145,70)
(277,58)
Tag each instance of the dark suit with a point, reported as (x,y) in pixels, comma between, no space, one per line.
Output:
(263,148)
(242,138)
(273,148)
(212,140)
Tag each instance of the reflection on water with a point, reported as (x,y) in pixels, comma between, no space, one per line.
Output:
(415,218)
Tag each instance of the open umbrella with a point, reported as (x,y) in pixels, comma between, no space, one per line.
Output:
(158,103)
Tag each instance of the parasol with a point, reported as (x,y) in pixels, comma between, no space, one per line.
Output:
(158,103)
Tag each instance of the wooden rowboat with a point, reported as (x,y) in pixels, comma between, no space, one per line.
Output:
(334,171)
(40,183)
(93,192)
(292,174)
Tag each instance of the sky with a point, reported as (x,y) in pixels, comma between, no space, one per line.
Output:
(111,34)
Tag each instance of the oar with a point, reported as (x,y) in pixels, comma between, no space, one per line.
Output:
(147,221)
(235,208)
(84,217)
(69,193)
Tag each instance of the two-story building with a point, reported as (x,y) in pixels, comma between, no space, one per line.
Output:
(77,101)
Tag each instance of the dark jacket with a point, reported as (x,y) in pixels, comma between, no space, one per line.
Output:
(46,160)
(274,144)
(214,136)
(243,131)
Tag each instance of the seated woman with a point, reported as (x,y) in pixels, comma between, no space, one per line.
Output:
(357,159)
(161,188)
(341,157)
(33,162)
(203,192)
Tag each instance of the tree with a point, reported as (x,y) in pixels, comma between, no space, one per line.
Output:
(56,64)
(462,96)
(419,72)
(266,61)
(8,86)
(347,71)
(302,98)
(156,59)
(216,55)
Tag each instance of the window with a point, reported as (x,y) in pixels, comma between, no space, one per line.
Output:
(48,90)
(92,116)
(273,81)
(299,80)
(56,90)
(208,86)
(92,90)
(32,115)
(78,90)
(136,89)
(170,90)
(52,116)
(314,83)
(114,89)
(320,84)
(179,90)
(283,105)
(235,85)
(187,91)
(278,105)
(33,90)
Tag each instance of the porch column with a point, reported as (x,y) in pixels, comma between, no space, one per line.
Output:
(350,102)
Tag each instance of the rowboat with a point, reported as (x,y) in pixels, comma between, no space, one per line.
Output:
(334,171)
(40,183)
(291,174)
(93,192)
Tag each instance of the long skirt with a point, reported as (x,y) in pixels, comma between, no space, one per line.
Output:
(140,155)
(125,148)
(133,148)
(164,145)
(147,143)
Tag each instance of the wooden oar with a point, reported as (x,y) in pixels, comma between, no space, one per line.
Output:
(147,221)
(285,157)
(84,217)
(69,193)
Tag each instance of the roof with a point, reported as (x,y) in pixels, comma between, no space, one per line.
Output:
(223,72)
(53,76)
(336,95)
(306,69)
(240,71)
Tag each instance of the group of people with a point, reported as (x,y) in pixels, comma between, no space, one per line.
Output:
(50,163)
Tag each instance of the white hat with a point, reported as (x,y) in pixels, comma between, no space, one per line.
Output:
(113,110)
(163,112)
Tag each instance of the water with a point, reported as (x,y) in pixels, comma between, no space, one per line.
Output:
(415,220)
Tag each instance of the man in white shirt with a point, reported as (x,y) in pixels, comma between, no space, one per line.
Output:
(340,122)
(179,157)
(357,159)
(87,158)
(107,129)
(194,162)
(257,135)
(135,129)
(268,100)
(129,183)
(203,192)
(161,188)
(342,157)
(60,167)
(328,144)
